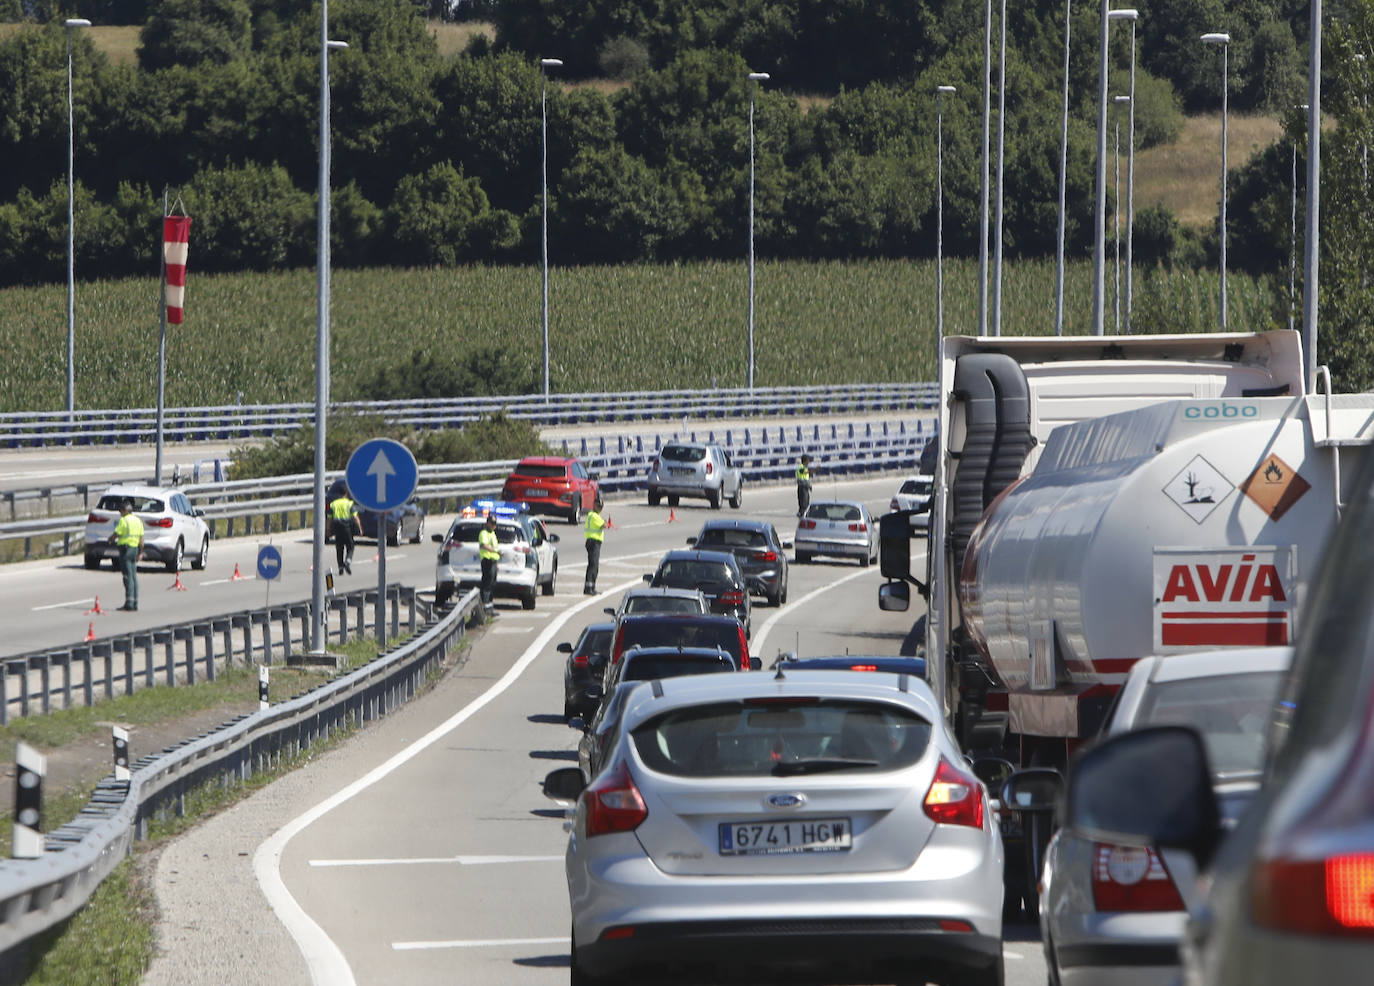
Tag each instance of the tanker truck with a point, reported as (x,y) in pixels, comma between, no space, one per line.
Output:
(1098,499)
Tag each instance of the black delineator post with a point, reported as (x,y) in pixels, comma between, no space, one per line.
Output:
(29,768)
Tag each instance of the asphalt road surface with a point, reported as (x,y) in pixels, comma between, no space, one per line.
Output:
(422,851)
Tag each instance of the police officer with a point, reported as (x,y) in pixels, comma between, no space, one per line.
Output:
(803,485)
(344,513)
(595,528)
(128,535)
(489,551)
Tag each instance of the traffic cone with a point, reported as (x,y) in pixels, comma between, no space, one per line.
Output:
(177,584)
(237,576)
(90,631)
(96,608)
(610,525)
(672,515)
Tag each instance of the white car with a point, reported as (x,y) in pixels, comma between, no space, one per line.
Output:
(1112,914)
(840,528)
(914,494)
(778,823)
(529,554)
(172,528)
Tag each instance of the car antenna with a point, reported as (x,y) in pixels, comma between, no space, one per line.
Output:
(779,676)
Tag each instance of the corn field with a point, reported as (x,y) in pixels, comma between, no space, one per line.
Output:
(251,337)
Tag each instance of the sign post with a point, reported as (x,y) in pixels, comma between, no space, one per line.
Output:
(381,475)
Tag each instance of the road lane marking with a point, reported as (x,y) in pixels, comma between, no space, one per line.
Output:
(407,946)
(322,955)
(511,629)
(74,602)
(428,860)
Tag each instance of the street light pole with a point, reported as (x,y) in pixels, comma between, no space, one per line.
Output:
(983,188)
(1100,179)
(317,587)
(1293,236)
(1225,41)
(544,65)
(940,93)
(754,79)
(1132,15)
(1063,180)
(71,230)
(1119,101)
(1001,143)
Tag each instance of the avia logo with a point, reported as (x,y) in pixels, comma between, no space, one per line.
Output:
(1246,582)
(1223,410)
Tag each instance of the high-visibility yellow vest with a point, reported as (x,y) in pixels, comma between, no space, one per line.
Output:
(595,526)
(128,531)
(342,509)
(487,544)
(803,474)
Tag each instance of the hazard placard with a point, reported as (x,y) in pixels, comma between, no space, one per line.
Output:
(1198,489)
(1275,486)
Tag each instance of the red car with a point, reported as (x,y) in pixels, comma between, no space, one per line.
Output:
(552,485)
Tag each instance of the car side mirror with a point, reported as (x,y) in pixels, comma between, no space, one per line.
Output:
(648,578)
(198,512)
(894,597)
(609,611)
(755,664)
(564,648)
(564,784)
(992,771)
(1034,789)
(437,538)
(1147,787)
(787,545)
(692,539)
(894,544)
(553,538)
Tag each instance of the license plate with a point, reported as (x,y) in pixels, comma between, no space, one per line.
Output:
(769,838)
(534,491)
(681,472)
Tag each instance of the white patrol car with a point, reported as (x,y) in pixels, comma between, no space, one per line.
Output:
(529,553)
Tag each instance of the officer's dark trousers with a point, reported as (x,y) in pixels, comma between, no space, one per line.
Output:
(593,564)
(489,580)
(128,567)
(803,497)
(343,543)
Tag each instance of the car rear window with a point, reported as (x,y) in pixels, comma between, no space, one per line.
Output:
(596,642)
(541,471)
(731,539)
(690,574)
(647,666)
(662,604)
(683,453)
(711,634)
(740,739)
(467,532)
(916,486)
(144,505)
(1230,711)
(833,511)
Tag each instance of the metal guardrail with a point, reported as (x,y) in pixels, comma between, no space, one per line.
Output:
(19,429)
(37,894)
(620,463)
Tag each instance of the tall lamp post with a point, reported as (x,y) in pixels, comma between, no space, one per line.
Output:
(317,588)
(544,65)
(1119,102)
(1063,179)
(1100,179)
(71,231)
(754,79)
(1132,15)
(1225,41)
(1293,236)
(983,188)
(940,93)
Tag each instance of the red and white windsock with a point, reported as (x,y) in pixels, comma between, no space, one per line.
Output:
(176,230)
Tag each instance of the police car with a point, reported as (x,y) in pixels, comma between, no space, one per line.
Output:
(529,553)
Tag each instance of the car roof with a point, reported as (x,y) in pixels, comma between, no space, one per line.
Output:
(1211,663)
(545,460)
(661,590)
(663,650)
(839,503)
(680,444)
(600,627)
(879,662)
(672,693)
(161,492)
(734,525)
(695,617)
(691,554)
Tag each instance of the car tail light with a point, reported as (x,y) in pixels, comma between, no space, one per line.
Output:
(731,597)
(955,798)
(579,660)
(863,667)
(894,505)
(764,556)
(710,468)
(806,525)
(618,933)
(1332,896)
(1131,878)
(858,527)
(618,647)
(94,518)
(658,464)
(613,803)
(160,522)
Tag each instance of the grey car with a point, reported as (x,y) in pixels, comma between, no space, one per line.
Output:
(694,469)
(758,549)
(814,821)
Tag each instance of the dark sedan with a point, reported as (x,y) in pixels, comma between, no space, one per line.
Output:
(758,549)
(716,574)
(586,658)
(406,521)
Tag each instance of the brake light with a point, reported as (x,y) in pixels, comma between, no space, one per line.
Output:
(710,467)
(863,667)
(893,506)
(94,518)
(658,464)
(765,556)
(733,597)
(955,798)
(806,525)
(613,803)
(858,527)
(618,647)
(1333,896)
(1131,878)
(743,650)
(579,660)
(160,522)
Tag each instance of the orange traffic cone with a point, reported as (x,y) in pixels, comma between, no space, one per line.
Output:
(177,584)
(610,525)
(90,630)
(237,576)
(96,608)
(672,515)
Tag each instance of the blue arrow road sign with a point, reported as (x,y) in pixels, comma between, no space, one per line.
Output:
(269,562)
(381,474)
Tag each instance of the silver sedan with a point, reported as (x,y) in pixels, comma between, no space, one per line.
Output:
(841,528)
(799,823)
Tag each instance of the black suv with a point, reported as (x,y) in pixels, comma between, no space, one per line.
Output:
(711,631)
(716,574)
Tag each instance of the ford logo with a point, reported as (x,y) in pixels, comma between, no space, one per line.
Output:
(785,800)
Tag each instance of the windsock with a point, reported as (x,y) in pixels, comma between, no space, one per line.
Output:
(175,232)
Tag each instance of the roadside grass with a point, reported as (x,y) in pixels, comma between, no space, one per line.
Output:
(453,39)
(1185,176)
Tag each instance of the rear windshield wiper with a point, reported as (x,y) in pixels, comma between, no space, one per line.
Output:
(787,768)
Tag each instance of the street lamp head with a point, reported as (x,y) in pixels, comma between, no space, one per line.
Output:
(336,45)
(1216,39)
(1123,14)
(551,62)
(950,90)
(76,22)
(1121,99)
(758,76)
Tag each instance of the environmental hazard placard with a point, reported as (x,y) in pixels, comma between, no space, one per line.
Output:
(1198,488)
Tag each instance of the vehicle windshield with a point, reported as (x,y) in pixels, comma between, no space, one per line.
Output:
(662,604)
(647,666)
(673,632)
(1230,711)
(846,512)
(528,469)
(682,453)
(737,739)
(690,574)
(142,504)
(729,539)
(467,532)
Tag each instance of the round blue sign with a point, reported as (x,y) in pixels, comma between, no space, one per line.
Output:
(269,562)
(381,474)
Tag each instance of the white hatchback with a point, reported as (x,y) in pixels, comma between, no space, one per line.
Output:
(172,528)
(529,555)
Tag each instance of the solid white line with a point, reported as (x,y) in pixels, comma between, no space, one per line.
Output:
(1008,953)
(406,946)
(756,645)
(74,602)
(216,581)
(511,629)
(427,861)
(323,957)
